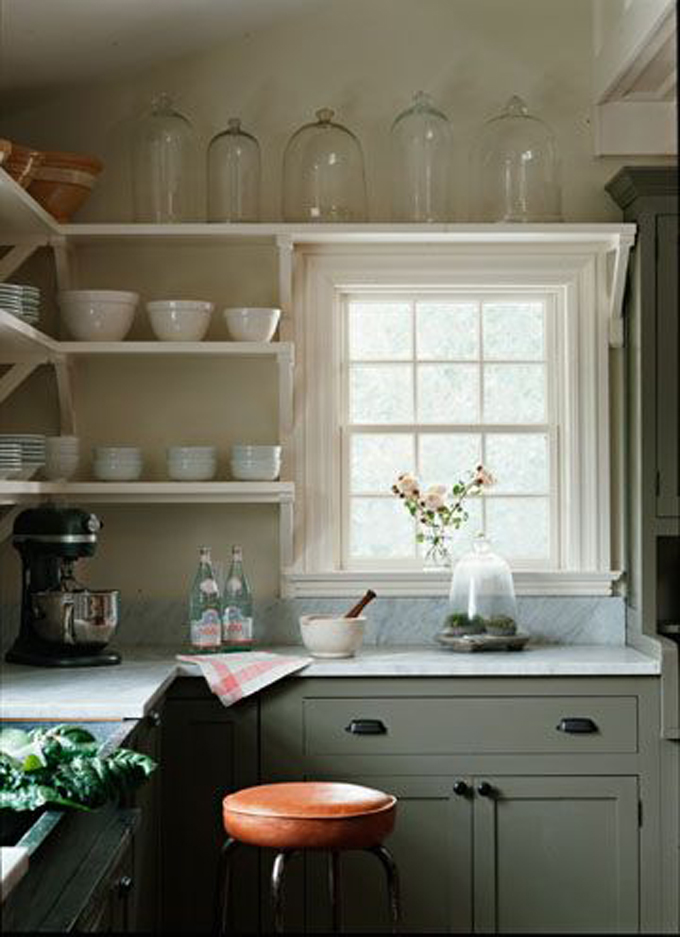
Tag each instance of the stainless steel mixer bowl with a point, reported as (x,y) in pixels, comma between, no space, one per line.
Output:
(86,617)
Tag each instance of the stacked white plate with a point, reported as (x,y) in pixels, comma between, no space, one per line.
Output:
(32,447)
(192,463)
(10,459)
(21,301)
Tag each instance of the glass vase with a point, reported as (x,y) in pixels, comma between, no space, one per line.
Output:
(482,595)
(420,142)
(233,175)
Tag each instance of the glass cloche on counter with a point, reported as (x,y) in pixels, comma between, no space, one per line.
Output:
(165,163)
(420,142)
(323,173)
(482,596)
(516,164)
(233,175)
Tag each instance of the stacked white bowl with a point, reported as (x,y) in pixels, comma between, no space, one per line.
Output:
(179,320)
(10,459)
(256,463)
(117,463)
(252,323)
(32,446)
(98,315)
(192,463)
(62,455)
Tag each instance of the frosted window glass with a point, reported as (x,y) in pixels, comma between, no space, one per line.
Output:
(380,331)
(444,459)
(448,393)
(461,539)
(447,330)
(514,331)
(519,462)
(514,393)
(519,527)
(377,459)
(381,394)
(380,528)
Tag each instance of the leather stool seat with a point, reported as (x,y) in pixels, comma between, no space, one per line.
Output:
(309,815)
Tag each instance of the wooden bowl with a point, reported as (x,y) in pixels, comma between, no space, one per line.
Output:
(23,163)
(63,183)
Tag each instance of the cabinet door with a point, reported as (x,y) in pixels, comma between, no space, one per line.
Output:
(431,845)
(668,363)
(145,898)
(208,752)
(556,855)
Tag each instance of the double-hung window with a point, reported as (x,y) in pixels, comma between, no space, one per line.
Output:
(433,359)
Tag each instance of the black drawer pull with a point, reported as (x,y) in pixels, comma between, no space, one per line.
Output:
(366,727)
(577,725)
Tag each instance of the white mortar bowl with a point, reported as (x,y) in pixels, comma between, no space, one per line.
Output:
(329,636)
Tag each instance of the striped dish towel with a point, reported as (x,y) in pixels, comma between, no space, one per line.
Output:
(233,676)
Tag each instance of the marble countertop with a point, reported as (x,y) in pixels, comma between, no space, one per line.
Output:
(130,689)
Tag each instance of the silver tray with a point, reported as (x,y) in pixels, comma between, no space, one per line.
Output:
(482,642)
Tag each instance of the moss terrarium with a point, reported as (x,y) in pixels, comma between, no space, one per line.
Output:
(482,596)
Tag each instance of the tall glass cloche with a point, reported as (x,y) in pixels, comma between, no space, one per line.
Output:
(516,165)
(165,165)
(233,175)
(482,596)
(323,173)
(420,142)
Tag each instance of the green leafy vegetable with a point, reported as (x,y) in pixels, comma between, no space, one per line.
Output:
(59,766)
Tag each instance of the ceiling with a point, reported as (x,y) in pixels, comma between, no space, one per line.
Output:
(44,43)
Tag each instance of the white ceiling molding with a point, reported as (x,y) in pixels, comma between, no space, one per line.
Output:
(635,83)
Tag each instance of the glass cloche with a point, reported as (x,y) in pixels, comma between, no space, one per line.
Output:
(323,173)
(164,165)
(233,175)
(516,164)
(482,596)
(420,142)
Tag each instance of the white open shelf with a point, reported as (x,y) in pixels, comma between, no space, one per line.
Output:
(17,492)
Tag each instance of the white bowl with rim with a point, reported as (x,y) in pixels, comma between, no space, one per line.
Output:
(97,315)
(252,323)
(179,320)
(328,636)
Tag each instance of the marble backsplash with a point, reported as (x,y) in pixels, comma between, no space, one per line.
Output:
(550,620)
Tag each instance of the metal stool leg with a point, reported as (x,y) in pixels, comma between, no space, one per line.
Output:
(334,888)
(277,886)
(222,886)
(392,883)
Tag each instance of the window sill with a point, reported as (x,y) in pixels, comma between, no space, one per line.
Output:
(435,583)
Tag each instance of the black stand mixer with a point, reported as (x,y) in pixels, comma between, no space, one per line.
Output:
(62,623)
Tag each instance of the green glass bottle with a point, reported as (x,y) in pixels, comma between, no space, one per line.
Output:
(205,608)
(237,604)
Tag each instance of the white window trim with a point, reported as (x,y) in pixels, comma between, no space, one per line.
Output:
(579,275)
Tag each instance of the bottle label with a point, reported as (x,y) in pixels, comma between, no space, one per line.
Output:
(209,587)
(237,629)
(206,631)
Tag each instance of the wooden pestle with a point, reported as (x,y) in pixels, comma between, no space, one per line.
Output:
(357,609)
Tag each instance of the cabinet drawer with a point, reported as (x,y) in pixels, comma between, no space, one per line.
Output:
(473,725)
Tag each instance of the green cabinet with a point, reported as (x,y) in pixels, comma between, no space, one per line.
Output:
(208,751)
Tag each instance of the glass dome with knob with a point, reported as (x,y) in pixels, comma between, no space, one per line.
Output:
(323,173)
(482,596)
(516,165)
(233,175)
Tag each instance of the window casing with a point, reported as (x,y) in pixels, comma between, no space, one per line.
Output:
(570,281)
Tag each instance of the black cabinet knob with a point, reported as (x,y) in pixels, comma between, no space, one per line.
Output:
(124,885)
(485,789)
(366,727)
(461,788)
(153,718)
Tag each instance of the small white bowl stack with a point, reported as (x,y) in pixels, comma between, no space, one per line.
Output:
(117,463)
(192,463)
(22,301)
(256,463)
(97,315)
(32,449)
(252,323)
(62,457)
(179,320)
